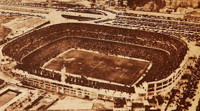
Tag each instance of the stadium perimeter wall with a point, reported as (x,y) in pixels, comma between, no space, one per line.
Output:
(164,86)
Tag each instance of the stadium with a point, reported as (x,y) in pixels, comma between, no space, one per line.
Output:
(98,61)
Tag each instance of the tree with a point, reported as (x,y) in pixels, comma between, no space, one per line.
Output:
(160,99)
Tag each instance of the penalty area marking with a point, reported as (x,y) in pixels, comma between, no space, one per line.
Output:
(95,65)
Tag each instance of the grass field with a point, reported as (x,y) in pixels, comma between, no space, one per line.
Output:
(99,66)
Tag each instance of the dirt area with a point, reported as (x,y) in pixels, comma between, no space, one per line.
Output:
(102,105)
(11,26)
(72,103)
(5,98)
(4,31)
(21,25)
(100,66)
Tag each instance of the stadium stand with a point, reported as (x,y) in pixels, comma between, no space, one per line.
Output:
(165,52)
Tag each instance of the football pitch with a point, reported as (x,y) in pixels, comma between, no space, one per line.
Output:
(99,66)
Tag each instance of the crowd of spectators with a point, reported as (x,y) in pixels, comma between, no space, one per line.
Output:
(79,80)
(40,72)
(36,48)
(98,85)
(45,53)
(50,51)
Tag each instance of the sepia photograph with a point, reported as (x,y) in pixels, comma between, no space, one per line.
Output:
(99,55)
